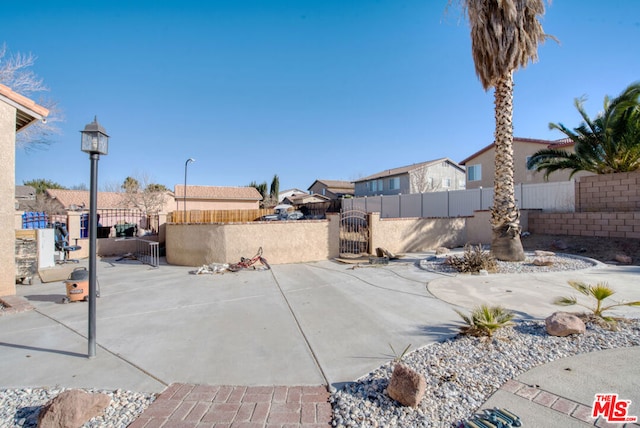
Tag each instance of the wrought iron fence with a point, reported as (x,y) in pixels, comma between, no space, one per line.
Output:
(126,222)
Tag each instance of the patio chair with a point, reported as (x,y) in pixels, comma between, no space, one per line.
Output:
(62,243)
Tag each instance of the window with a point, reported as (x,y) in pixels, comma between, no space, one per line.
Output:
(324,192)
(394,183)
(474,172)
(375,186)
(526,164)
(446,183)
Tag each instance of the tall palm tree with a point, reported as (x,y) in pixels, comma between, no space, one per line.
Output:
(607,144)
(504,37)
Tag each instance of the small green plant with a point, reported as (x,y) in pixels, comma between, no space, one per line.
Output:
(397,358)
(473,260)
(600,292)
(484,320)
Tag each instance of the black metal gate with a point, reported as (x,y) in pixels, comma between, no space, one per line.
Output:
(354,233)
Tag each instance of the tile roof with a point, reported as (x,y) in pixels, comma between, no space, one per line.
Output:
(218,192)
(564,142)
(80,198)
(406,169)
(27,110)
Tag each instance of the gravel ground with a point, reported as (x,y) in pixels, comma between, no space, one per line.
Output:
(558,263)
(20,407)
(462,373)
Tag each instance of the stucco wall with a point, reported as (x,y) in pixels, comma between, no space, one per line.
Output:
(7,199)
(401,235)
(281,241)
(479,226)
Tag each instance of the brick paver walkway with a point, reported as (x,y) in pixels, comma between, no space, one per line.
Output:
(185,405)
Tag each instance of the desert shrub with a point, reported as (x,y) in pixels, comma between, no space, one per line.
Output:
(473,260)
(599,292)
(484,320)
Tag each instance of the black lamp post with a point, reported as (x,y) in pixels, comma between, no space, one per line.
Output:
(95,142)
(184,205)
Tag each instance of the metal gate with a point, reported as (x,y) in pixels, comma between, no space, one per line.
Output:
(354,233)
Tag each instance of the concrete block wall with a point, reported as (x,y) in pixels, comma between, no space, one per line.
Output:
(609,192)
(623,224)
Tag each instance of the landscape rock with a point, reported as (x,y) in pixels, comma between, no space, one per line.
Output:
(406,386)
(542,261)
(72,409)
(442,250)
(563,324)
(542,253)
(624,259)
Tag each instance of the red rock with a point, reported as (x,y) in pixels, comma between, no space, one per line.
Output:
(72,409)
(406,386)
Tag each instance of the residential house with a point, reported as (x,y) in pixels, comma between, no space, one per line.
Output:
(216,198)
(481,168)
(290,192)
(304,198)
(431,176)
(16,113)
(25,197)
(332,189)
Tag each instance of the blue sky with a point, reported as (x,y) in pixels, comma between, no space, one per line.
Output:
(322,89)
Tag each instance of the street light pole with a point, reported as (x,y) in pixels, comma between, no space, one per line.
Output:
(184,207)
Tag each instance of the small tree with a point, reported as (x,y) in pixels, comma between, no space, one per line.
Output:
(275,187)
(42,184)
(148,197)
(16,73)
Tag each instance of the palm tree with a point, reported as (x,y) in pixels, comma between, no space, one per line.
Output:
(607,144)
(504,37)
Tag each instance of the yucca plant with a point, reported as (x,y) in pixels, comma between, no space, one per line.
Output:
(484,320)
(398,357)
(600,292)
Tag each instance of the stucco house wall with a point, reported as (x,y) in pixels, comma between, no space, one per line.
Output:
(7,198)
(432,176)
(522,149)
(16,113)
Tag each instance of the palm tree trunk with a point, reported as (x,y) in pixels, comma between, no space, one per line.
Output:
(505,216)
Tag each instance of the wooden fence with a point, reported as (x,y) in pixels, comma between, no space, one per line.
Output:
(217,216)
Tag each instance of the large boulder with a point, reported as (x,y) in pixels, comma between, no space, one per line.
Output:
(563,324)
(406,386)
(72,409)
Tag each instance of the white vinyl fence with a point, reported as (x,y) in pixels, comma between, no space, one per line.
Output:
(558,197)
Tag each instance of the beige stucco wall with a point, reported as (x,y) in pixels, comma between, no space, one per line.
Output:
(7,199)
(401,235)
(281,241)
(479,226)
